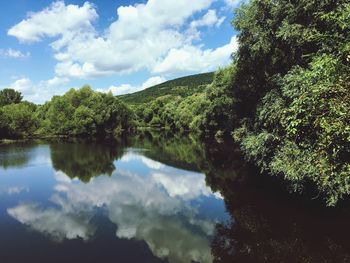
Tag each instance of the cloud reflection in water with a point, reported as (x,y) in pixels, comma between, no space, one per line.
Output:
(155,207)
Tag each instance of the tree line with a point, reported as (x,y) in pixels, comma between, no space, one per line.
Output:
(82,112)
(285,98)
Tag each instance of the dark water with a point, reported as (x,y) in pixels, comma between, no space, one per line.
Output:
(154,198)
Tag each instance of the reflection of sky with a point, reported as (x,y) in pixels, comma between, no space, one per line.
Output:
(33,156)
(147,201)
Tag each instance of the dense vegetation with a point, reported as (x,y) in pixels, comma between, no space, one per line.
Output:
(16,117)
(174,105)
(180,87)
(80,112)
(288,90)
(285,98)
(85,160)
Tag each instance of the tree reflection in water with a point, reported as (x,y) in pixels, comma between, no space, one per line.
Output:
(158,202)
(267,224)
(85,159)
(270,225)
(16,154)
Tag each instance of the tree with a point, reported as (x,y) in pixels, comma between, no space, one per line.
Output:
(9,96)
(286,98)
(84,112)
(17,120)
(219,114)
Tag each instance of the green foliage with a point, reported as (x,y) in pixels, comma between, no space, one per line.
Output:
(309,121)
(84,160)
(287,97)
(17,120)
(176,114)
(59,115)
(275,37)
(16,117)
(80,112)
(15,155)
(9,96)
(219,114)
(84,113)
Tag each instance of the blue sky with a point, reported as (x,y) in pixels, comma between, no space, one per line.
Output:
(47,47)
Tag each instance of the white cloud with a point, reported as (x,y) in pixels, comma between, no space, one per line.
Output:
(153,81)
(127,88)
(54,21)
(12,53)
(130,156)
(56,223)
(62,177)
(23,85)
(120,90)
(142,36)
(56,81)
(75,70)
(41,91)
(151,163)
(209,19)
(187,186)
(140,208)
(146,207)
(193,59)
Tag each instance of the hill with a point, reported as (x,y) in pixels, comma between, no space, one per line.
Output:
(183,87)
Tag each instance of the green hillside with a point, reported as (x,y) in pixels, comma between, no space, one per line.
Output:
(183,87)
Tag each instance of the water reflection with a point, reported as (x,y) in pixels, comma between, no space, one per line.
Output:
(175,198)
(12,190)
(58,223)
(146,200)
(268,224)
(16,155)
(84,160)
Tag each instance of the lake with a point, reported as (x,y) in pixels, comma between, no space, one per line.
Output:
(155,198)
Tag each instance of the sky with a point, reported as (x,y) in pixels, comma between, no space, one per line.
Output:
(122,46)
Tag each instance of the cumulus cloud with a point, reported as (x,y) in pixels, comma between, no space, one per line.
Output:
(22,85)
(62,177)
(56,223)
(54,21)
(131,156)
(187,186)
(193,59)
(127,88)
(12,53)
(151,163)
(143,206)
(41,91)
(184,185)
(142,210)
(144,36)
(209,19)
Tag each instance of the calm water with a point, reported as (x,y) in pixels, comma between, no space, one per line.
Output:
(153,198)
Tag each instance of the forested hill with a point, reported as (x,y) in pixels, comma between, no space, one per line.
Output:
(183,87)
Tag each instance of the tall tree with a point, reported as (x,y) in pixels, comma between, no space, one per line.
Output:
(9,96)
(290,91)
